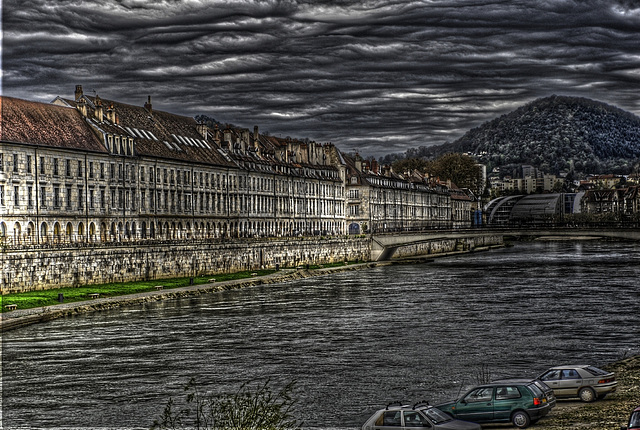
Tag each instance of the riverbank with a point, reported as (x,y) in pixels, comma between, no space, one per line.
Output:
(23,317)
(607,414)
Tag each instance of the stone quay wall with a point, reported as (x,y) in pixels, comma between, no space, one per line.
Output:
(48,268)
(41,269)
(441,246)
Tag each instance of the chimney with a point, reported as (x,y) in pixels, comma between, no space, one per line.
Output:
(99,112)
(79,92)
(148,106)
(216,134)
(245,140)
(227,135)
(111,114)
(255,136)
(203,130)
(374,166)
(82,107)
(358,162)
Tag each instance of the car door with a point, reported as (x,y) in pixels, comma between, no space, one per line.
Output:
(505,401)
(413,420)
(570,382)
(389,420)
(476,405)
(552,379)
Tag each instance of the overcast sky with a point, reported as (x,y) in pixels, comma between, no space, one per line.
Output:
(373,76)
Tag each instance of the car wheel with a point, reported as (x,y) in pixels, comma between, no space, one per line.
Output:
(586,394)
(520,419)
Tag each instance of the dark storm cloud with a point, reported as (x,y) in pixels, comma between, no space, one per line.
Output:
(377,76)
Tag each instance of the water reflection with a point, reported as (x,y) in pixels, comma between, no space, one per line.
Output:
(353,341)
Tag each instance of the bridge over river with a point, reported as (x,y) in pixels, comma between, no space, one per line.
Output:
(384,246)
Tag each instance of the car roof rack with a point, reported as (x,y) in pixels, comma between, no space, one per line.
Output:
(398,403)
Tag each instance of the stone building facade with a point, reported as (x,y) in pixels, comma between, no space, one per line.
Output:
(89,170)
(380,200)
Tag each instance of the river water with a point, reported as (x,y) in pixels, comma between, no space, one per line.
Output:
(352,341)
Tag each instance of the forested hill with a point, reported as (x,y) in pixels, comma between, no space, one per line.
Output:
(556,133)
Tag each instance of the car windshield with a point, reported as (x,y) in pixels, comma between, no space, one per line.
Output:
(635,420)
(595,371)
(436,415)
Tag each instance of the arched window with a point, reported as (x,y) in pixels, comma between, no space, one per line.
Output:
(31,231)
(17,233)
(44,232)
(57,233)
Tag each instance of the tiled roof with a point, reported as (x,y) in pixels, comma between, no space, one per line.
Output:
(44,124)
(160,134)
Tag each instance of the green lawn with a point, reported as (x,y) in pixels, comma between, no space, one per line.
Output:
(34,299)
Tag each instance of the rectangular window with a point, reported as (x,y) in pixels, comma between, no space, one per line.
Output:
(120,199)
(1,162)
(143,196)
(16,196)
(101,170)
(55,167)
(91,169)
(68,199)
(43,197)
(112,171)
(30,197)
(42,166)
(15,163)
(91,199)
(80,169)
(28,163)
(102,202)
(56,197)
(67,168)
(141,174)
(1,195)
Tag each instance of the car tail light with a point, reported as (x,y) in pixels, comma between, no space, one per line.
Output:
(537,401)
(606,381)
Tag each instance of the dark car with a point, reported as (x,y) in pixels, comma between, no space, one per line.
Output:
(634,420)
(586,382)
(548,392)
(397,416)
(518,402)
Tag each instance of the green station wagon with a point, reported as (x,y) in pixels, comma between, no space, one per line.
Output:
(520,403)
